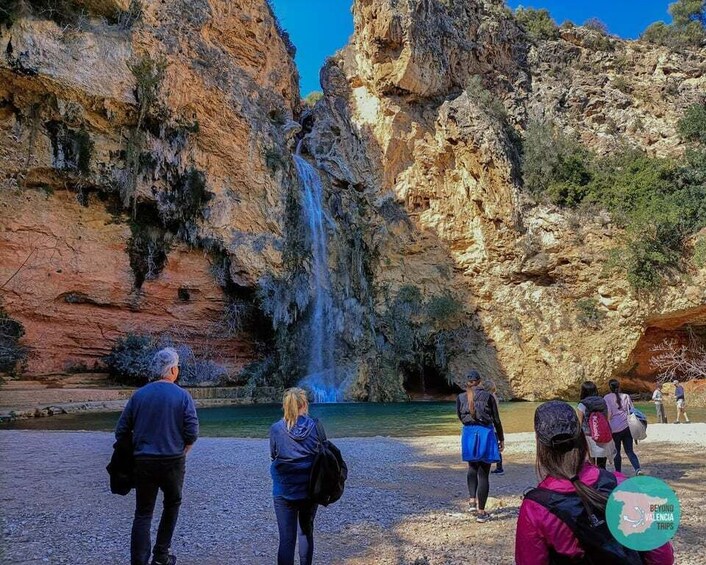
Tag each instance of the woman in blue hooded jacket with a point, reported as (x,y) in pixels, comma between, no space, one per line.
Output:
(294,442)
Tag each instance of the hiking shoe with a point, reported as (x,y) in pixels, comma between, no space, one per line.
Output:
(472,507)
(498,472)
(639,472)
(170,560)
(483,518)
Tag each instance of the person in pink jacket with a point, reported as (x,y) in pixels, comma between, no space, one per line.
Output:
(542,537)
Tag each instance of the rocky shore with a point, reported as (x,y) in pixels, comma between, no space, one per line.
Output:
(404,503)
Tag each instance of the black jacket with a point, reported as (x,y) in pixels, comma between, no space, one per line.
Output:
(122,466)
(486,408)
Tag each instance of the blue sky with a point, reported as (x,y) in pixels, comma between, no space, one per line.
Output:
(319,28)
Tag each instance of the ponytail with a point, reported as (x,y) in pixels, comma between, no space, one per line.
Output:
(471,399)
(293,401)
(615,389)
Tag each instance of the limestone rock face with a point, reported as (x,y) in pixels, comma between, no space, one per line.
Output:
(147,180)
(403,118)
(625,92)
(179,110)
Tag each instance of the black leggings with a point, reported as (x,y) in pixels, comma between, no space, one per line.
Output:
(477,478)
(624,438)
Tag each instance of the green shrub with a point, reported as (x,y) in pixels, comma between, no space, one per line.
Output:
(312,98)
(443,309)
(658,201)
(149,74)
(589,316)
(537,23)
(699,257)
(692,126)
(130,361)
(12,353)
(688,27)
(486,99)
(554,165)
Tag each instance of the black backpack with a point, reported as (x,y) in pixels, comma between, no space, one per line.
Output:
(328,471)
(592,532)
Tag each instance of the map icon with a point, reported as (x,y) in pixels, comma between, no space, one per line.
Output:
(643,513)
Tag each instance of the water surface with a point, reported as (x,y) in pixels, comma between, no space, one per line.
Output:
(409,419)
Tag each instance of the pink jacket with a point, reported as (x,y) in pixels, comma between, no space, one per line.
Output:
(538,530)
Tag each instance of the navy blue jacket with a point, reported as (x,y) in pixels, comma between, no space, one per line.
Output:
(162,419)
(293,453)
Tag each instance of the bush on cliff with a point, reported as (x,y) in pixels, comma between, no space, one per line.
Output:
(537,23)
(130,361)
(659,202)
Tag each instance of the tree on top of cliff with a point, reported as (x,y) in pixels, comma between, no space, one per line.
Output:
(537,23)
(688,27)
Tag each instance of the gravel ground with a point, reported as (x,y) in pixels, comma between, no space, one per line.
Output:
(404,501)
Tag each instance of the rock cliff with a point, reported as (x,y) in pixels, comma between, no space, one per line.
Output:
(147,175)
(138,143)
(416,94)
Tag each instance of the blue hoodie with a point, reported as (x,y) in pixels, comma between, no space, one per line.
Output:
(292,453)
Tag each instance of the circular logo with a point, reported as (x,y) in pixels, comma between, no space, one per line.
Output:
(643,513)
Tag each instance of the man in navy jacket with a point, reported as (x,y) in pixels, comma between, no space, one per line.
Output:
(162,419)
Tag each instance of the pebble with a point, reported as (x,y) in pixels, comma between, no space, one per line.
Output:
(404,502)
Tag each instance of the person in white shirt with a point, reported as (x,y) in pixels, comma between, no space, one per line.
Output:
(657,398)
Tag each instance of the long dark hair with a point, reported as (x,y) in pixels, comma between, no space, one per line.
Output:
(588,388)
(615,388)
(552,462)
(470,385)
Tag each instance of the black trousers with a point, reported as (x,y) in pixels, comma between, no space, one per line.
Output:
(151,476)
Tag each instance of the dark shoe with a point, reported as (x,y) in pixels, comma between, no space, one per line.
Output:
(498,472)
(171,560)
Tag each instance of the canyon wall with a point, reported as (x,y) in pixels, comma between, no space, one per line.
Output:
(414,92)
(147,182)
(136,181)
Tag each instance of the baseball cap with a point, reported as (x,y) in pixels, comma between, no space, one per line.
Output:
(556,425)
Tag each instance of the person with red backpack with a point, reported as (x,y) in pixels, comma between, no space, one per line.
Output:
(563,519)
(594,420)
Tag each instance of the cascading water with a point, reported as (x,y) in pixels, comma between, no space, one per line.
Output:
(321,379)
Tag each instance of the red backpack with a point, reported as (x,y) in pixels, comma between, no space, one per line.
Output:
(599,428)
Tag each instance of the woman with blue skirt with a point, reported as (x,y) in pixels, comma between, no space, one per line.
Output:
(480,446)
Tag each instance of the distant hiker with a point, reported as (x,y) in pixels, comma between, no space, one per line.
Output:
(657,398)
(480,447)
(619,407)
(681,401)
(573,488)
(492,389)
(294,443)
(594,420)
(161,417)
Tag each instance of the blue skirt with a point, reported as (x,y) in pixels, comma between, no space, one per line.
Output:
(479,443)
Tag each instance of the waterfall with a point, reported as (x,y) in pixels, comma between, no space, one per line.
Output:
(321,378)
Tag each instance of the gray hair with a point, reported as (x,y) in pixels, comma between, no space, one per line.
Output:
(163,361)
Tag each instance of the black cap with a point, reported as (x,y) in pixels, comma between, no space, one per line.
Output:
(473,375)
(557,425)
